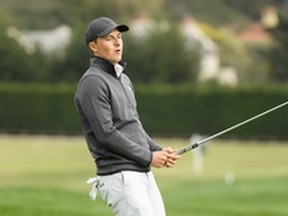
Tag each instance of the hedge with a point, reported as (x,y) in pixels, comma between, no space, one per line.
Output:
(187,110)
(178,110)
(38,108)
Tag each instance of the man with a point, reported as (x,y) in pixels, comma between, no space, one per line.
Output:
(122,150)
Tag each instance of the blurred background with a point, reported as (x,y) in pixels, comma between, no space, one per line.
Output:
(200,65)
(194,63)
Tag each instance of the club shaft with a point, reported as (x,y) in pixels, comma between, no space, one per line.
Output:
(198,143)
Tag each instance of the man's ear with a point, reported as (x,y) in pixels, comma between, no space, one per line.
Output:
(93,47)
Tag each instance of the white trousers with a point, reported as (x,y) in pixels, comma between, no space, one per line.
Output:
(131,193)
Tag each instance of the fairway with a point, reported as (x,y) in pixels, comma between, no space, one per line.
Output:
(45,176)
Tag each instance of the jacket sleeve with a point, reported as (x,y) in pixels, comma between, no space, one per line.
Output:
(95,104)
(152,144)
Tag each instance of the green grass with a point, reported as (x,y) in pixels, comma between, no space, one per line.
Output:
(45,176)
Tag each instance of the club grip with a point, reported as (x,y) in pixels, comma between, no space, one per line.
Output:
(187,148)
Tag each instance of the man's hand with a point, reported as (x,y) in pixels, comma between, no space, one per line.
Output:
(164,158)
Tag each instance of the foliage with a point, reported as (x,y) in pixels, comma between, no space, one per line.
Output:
(168,62)
(166,110)
(253,8)
(44,108)
(172,111)
(221,12)
(17,65)
(155,59)
(279,52)
(70,67)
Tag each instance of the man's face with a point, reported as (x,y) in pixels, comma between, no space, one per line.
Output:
(108,47)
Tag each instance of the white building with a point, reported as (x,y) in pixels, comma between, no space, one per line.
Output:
(210,63)
(48,41)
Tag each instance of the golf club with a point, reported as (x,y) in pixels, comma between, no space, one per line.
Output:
(198,143)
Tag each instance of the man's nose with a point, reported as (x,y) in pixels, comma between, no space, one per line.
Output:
(117,41)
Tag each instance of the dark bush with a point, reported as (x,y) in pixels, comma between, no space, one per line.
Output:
(165,110)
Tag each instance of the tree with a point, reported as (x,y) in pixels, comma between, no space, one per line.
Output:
(16,64)
(162,57)
(73,64)
(279,53)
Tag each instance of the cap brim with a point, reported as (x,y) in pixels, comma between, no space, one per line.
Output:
(120,27)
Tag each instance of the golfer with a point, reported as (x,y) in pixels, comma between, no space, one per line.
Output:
(123,152)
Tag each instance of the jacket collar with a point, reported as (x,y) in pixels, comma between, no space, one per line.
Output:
(105,65)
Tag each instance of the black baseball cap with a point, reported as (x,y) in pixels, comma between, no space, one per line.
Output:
(102,26)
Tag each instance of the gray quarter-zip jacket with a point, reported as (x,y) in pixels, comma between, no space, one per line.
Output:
(107,109)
